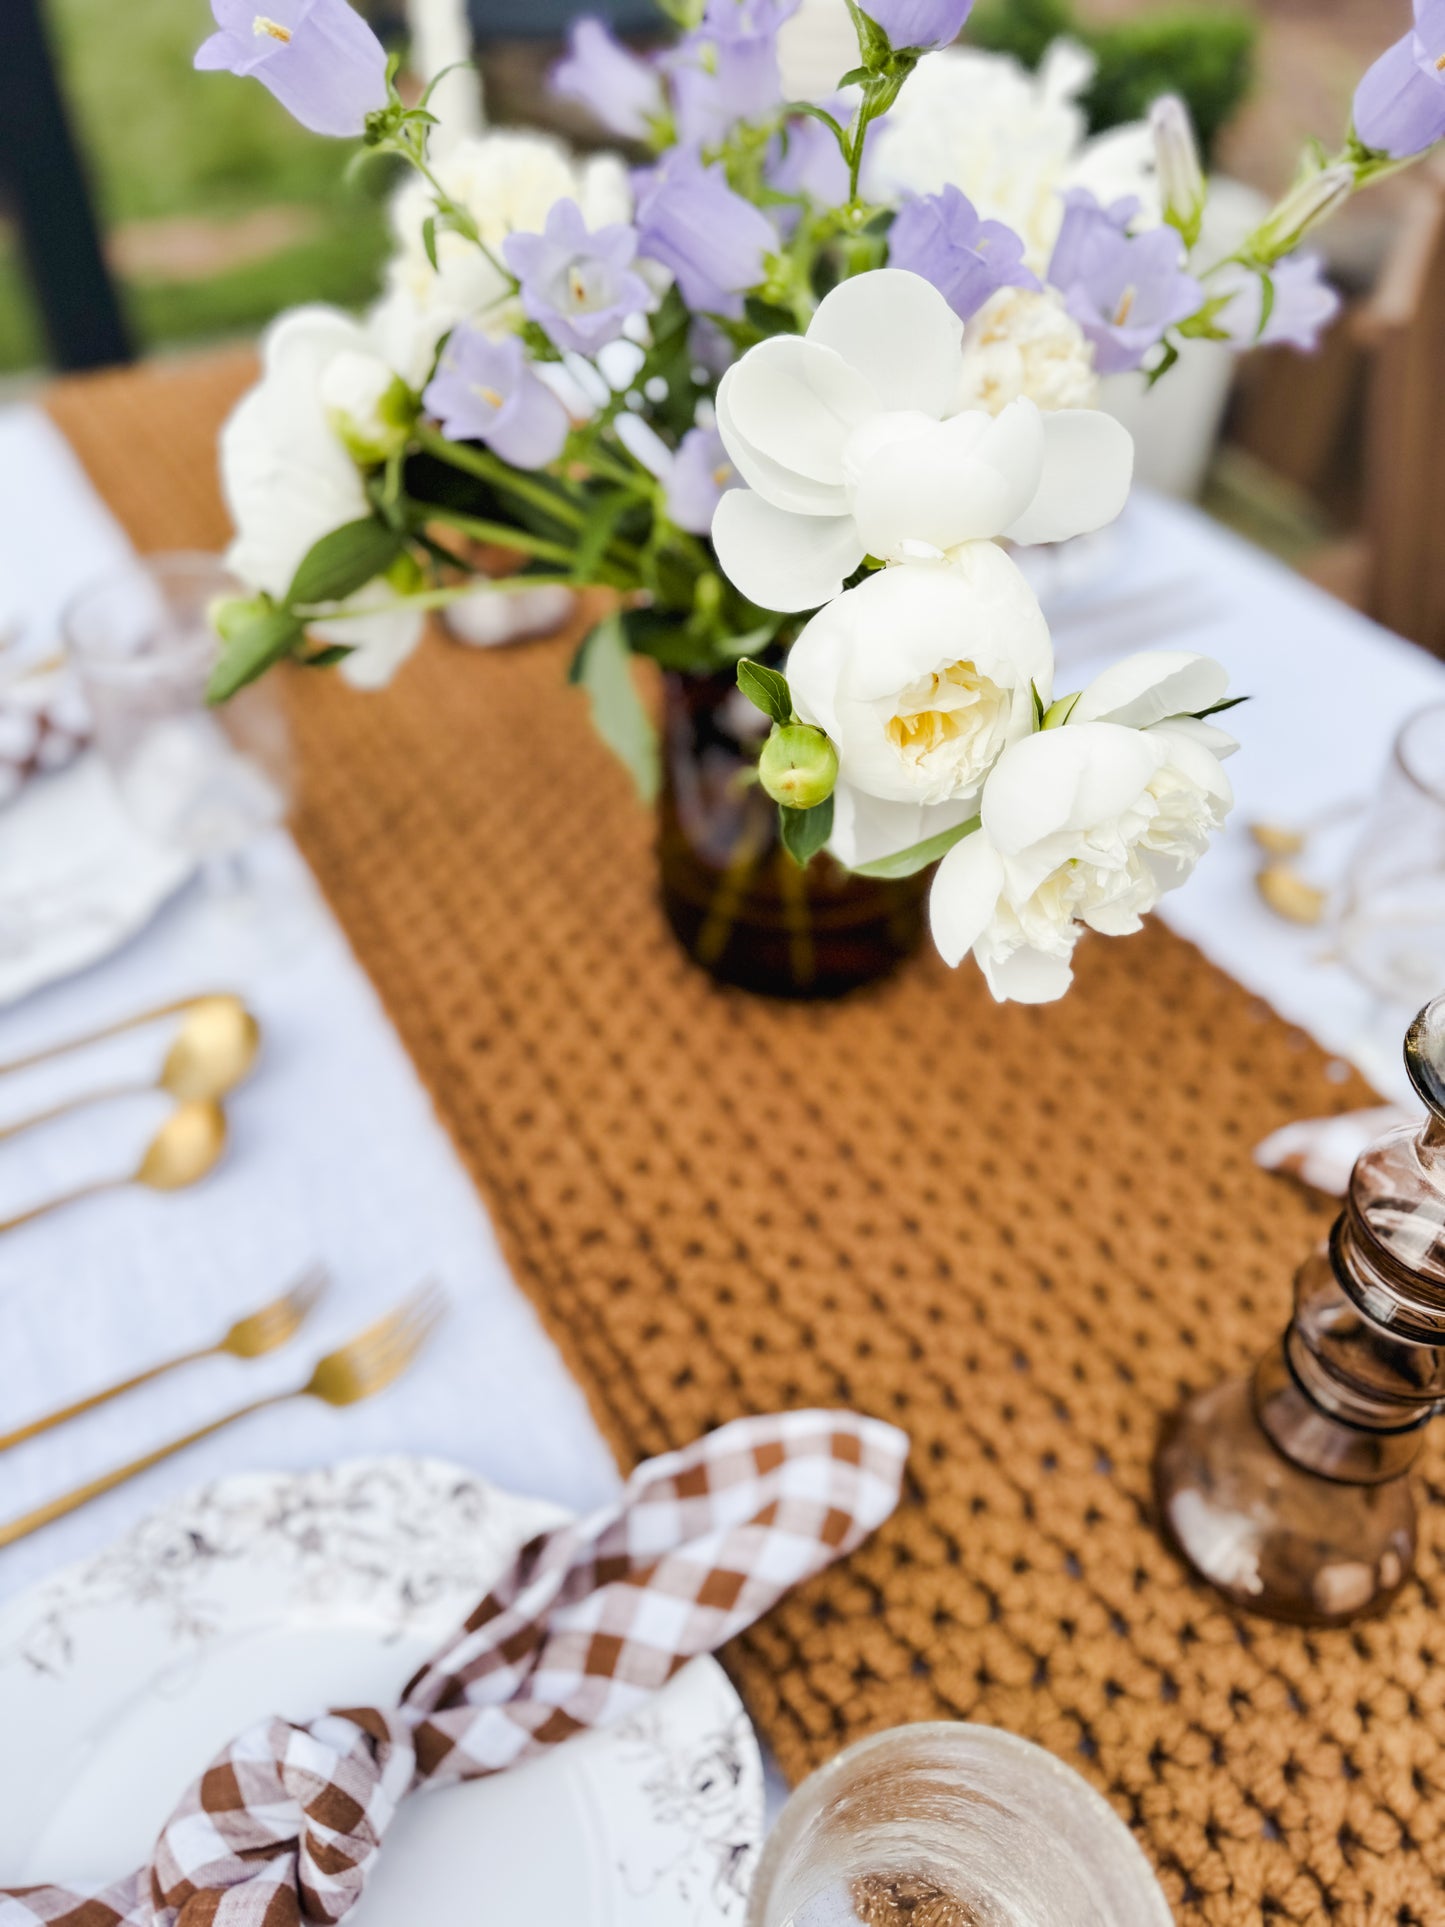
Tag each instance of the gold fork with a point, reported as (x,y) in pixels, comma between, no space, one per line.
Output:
(365,1366)
(263,1331)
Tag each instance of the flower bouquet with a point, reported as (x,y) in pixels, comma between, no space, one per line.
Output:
(794,389)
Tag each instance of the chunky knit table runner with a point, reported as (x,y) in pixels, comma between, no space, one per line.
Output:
(1021,1234)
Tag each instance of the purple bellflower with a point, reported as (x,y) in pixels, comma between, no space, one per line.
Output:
(1124,290)
(942,238)
(920,23)
(1400,103)
(619,88)
(726,69)
(319,58)
(701,474)
(1304,304)
(714,242)
(486,391)
(578,286)
(805,159)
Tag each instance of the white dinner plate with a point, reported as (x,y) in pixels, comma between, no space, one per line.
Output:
(289,1593)
(77,880)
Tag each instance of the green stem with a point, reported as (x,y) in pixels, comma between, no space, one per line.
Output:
(489,468)
(441,598)
(502,534)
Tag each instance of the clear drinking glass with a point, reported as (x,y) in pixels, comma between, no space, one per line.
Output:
(203,780)
(951,1825)
(1392,915)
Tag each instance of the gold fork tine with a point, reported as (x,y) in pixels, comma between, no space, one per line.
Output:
(368,1364)
(264,1331)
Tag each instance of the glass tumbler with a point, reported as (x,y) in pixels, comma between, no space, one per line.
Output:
(951,1825)
(1392,916)
(201,780)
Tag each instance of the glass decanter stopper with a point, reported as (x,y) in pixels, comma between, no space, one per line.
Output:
(1291,1490)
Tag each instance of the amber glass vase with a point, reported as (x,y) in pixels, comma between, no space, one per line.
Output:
(739,904)
(1291,1490)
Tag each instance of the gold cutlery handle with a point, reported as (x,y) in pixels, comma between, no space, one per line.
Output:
(80,1103)
(68,1197)
(83,1405)
(153,1016)
(45,1515)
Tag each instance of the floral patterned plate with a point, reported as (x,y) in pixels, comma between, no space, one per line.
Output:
(285,1593)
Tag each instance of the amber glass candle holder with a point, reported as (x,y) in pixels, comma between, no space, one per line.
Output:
(1291,1490)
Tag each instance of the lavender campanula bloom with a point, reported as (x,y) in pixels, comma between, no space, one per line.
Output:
(486,391)
(701,474)
(618,87)
(942,237)
(1400,103)
(726,69)
(1304,304)
(805,159)
(714,242)
(318,57)
(920,23)
(579,286)
(1124,290)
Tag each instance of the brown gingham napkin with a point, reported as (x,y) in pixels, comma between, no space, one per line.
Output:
(284,1827)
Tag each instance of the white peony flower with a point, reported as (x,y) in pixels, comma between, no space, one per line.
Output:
(1086,825)
(851,446)
(922,676)
(368,406)
(1024,344)
(288,481)
(1012,140)
(507,182)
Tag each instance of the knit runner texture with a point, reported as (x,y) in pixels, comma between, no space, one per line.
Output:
(1021,1234)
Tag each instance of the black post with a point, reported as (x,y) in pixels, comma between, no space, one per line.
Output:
(44,182)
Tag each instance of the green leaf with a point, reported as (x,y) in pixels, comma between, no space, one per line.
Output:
(766,690)
(1218,709)
(873,42)
(437,79)
(343,562)
(907,863)
(804,832)
(1057,714)
(1039,710)
(603,667)
(1162,367)
(254,634)
(732,648)
(768,317)
(603,515)
(429,241)
(1266,303)
(326,658)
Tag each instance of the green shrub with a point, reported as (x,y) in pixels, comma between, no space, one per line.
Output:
(1204,54)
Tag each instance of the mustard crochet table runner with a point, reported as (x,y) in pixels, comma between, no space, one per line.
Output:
(1021,1234)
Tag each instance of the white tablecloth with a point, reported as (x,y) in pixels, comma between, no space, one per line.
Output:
(337,1152)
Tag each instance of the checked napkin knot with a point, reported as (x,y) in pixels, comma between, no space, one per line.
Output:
(591,1618)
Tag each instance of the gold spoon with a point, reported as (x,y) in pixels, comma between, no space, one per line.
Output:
(213,1052)
(186,1147)
(1290,896)
(174,1009)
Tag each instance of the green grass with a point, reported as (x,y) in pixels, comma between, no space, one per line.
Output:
(163,141)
